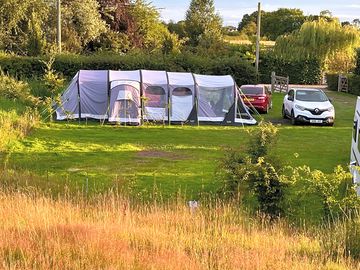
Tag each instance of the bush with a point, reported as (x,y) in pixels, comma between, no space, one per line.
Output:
(332,81)
(68,65)
(353,83)
(15,126)
(357,67)
(244,174)
(12,89)
(305,71)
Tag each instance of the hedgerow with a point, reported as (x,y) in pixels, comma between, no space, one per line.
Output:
(33,67)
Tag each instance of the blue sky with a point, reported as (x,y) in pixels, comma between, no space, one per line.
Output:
(232,10)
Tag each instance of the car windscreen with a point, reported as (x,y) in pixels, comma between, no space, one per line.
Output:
(311,95)
(247,90)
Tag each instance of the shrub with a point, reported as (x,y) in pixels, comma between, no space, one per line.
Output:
(15,126)
(304,71)
(335,192)
(357,67)
(13,89)
(252,172)
(332,81)
(353,83)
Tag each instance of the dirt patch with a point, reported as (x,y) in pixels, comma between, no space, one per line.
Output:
(160,154)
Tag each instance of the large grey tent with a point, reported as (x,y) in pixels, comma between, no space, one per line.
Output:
(151,95)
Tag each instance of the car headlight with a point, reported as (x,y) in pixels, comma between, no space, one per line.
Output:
(330,109)
(301,108)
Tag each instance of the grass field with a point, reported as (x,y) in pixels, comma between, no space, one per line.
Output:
(169,159)
(40,233)
(108,229)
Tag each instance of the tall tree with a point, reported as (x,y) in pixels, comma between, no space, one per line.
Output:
(328,41)
(202,23)
(81,24)
(273,24)
(21,25)
(282,21)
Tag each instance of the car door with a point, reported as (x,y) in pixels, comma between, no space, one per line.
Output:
(289,101)
(268,96)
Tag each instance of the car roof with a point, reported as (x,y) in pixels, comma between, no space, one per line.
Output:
(252,85)
(306,89)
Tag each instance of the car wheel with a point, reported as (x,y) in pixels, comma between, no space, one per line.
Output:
(331,124)
(293,119)
(283,112)
(266,109)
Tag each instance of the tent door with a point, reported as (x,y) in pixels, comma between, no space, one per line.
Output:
(181,104)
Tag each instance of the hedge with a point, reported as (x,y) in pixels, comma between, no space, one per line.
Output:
(332,80)
(357,67)
(31,67)
(353,81)
(306,71)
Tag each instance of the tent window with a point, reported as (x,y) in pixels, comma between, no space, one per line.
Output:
(156,97)
(182,92)
(155,90)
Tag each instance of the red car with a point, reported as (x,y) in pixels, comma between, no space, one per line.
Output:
(256,96)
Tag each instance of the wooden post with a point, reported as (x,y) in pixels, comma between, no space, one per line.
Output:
(273,81)
(59,25)
(339,83)
(258,40)
(287,84)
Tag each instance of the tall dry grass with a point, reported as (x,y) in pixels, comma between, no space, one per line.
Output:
(40,233)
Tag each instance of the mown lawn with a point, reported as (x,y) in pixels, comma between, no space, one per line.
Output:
(169,159)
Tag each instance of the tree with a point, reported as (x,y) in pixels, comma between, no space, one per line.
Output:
(273,24)
(249,19)
(21,25)
(356,23)
(282,21)
(326,13)
(81,23)
(325,40)
(116,14)
(177,28)
(202,23)
(148,32)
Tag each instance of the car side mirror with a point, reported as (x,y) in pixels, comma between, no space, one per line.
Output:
(290,98)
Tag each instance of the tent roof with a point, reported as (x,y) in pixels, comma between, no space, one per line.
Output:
(180,78)
(93,76)
(214,80)
(124,75)
(154,77)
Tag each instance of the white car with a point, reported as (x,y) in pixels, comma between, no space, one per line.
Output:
(308,106)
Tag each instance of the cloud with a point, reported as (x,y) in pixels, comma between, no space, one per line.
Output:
(352,6)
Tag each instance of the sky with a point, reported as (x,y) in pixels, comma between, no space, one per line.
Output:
(232,11)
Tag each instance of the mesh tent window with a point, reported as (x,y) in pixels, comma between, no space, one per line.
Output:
(156,96)
(124,104)
(182,92)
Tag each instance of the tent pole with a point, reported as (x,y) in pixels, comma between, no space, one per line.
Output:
(78,88)
(141,98)
(196,100)
(168,98)
(109,89)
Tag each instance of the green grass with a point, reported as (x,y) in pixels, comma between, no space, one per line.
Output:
(171,158)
